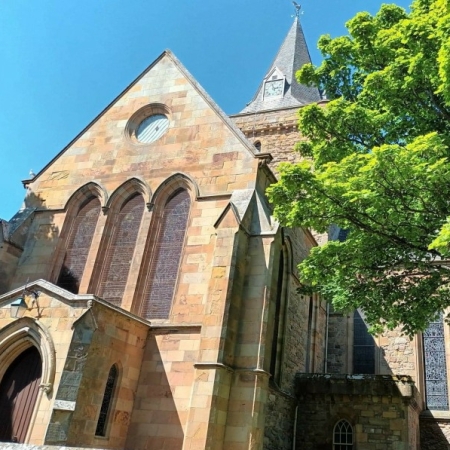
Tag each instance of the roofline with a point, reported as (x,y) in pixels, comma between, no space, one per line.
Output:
(96,118)
(252,113)
(74,300)
(193,83)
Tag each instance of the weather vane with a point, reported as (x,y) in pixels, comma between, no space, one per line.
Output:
(297,9)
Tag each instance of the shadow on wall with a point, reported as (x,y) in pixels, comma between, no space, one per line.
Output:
(157,413)
(432,433)
(30,229)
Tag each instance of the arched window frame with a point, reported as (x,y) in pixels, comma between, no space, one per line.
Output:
(110,238)
(160,198)
(284,269)
(342,433)
(125,192)
(108,403)
(369,343)
(72,207)
(444,364)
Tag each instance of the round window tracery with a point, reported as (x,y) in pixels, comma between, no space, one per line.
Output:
(148,124)
(152,128)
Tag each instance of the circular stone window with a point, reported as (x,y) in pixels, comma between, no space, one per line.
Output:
(152,128)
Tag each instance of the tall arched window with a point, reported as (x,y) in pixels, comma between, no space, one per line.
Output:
(117,263)
(363,346)
(108,395)
(278,324)
(18,393)
(78,244)
(166,257)
(343,436)
(436,386)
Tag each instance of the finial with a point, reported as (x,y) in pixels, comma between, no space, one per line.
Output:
(297,9)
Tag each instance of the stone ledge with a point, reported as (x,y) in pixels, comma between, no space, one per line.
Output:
(11,446)
(435,415)
(378,385)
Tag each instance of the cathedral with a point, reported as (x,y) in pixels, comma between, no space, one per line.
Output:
(149,299)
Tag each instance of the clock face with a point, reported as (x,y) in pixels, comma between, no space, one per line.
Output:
(273,88)
(152,128)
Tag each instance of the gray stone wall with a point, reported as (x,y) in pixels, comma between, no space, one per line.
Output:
(382,411)
(280,417)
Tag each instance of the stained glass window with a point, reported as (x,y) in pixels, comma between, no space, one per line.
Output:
(436,387)
(343,436)
(106,403)
(363,346)
(166,257)
(78,245)
(120,252)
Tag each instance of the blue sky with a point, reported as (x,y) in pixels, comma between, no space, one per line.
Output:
(64,61)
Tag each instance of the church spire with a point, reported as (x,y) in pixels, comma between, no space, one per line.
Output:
(279,88)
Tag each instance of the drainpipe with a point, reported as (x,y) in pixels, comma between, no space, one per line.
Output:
(294,440)
(325,362)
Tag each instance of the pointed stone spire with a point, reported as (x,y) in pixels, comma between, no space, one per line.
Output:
(279,88)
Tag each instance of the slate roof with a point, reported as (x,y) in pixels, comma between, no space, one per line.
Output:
(292,55)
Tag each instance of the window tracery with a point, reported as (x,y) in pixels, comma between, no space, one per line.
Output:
(166,256)
(78,244)
(343,436)
(117,263)
(436,386)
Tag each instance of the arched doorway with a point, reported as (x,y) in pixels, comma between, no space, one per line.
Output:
(18,392)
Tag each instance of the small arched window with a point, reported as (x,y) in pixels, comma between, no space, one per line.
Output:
(257,145)
(78,244)
(166,257)
(343,436)
(117,263)
(107,402)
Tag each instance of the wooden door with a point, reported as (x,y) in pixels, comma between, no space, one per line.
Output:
(18,392)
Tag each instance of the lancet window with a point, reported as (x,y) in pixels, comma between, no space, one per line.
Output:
(166,256)
(436,386)
(279,320)
(120,252)
(363,346)
(107,402)
(78,245)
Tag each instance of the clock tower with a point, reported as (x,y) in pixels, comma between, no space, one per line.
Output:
(269,120)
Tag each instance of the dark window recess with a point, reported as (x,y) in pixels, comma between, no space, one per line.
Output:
(363,347)
(120,252)
(258,146)
(343,436)
(78,245)
(166,258)
(106,402)
(18,393)
(436,387)
(309,337)
(276,345)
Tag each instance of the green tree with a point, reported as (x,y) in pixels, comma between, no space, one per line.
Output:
(377,164)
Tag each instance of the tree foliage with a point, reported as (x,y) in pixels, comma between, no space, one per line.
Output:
(377,164)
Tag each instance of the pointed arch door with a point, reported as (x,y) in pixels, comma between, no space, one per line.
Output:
(18,393)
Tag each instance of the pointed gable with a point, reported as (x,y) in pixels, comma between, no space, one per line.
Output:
(163,123)
(279,88)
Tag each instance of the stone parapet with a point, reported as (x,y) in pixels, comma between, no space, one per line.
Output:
(382,411)
(379,385)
